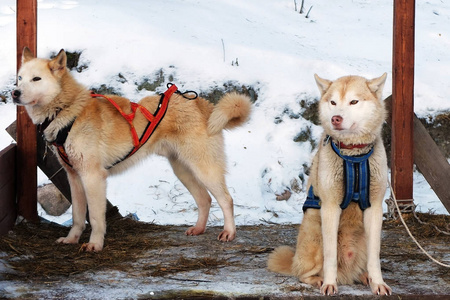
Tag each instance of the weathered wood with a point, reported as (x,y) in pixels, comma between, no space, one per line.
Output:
(432,163)
(8,210)
(403,100)
(49,164)
(26,133)
(428,158)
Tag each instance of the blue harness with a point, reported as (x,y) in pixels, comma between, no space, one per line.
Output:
(356,182)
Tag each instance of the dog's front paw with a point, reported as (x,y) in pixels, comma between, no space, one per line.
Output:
(91,247)
(329,289)
(380,289)
(67,240)
(50,134)
(195,230)
(226,236)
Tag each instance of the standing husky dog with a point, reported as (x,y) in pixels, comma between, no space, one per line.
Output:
(339,238)
(189,135)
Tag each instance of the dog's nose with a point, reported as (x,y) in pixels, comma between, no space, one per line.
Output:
(336,120)
(16,94)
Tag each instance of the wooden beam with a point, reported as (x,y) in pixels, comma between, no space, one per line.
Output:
(403,101)
(26,132)
(8,211)
(431,163)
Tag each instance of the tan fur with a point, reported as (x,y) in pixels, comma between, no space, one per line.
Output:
(336,246)
(190,136)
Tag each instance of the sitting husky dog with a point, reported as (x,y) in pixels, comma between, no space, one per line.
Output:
(94,133)
(339,238)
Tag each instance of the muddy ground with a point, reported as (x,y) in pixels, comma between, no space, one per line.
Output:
(146,261)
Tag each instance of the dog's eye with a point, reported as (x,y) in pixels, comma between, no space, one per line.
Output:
(36,78)
(353,102)
(332,102)
(19,78)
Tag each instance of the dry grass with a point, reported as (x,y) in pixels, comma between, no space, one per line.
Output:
(30,250)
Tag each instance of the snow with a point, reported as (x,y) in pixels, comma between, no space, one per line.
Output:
(278,51)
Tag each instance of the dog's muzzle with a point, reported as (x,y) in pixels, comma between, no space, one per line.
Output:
(16,96)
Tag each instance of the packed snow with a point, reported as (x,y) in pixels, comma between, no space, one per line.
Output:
(277,51)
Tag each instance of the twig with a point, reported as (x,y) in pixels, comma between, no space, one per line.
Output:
(425,223)
(307,15)
(223,48)
(188,280)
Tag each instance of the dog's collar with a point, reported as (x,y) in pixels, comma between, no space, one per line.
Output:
(342,145)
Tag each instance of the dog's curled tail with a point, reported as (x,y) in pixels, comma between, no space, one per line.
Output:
(231,111)
(280,260)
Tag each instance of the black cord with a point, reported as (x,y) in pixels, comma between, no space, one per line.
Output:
(185,94)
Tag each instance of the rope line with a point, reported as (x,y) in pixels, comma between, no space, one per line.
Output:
(407,229)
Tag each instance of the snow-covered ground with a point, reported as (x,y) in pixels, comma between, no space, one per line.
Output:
(198,42)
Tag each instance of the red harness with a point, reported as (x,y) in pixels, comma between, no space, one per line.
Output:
(153,122)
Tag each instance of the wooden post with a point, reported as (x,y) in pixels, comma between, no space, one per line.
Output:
(403,101)
(26,130)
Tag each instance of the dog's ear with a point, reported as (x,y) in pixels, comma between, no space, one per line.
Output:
(323,84)
(27,55)
(376,85)
(58,64)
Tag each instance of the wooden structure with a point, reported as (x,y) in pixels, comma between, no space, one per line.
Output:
(428,158)
(403,101)
(403,123)
(26,136)
(8,211)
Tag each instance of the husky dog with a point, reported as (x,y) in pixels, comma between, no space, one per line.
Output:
(339,239)
(92,137)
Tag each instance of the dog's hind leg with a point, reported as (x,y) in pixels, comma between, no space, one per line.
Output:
(198,191)
(94,183)
(78,209)
(212,176)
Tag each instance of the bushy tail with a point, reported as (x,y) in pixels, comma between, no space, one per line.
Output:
(280,260)
(231,111)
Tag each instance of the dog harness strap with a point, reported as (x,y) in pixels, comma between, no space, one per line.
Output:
(356,178)
(61,138)
(312,201)
(356,182)
(129,117)
(153,119)
(62,153)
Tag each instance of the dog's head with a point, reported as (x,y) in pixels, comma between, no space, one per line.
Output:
(351,106)
(38,80)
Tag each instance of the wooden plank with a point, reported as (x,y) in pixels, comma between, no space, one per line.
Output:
(428,158)
(432,163)
(26,133)
(403,100)
(8,211)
